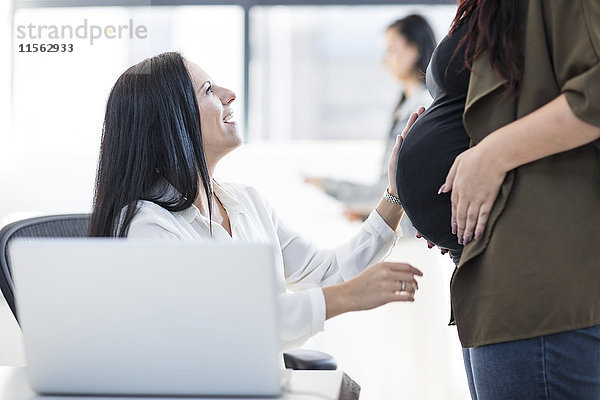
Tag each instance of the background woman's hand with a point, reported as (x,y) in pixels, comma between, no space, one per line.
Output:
(393,164)
(377,285)
(315,181)
(474,179)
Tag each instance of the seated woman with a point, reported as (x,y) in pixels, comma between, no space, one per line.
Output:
(167,125)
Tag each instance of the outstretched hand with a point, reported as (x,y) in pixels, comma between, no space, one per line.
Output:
(379,284)
(382,283)
(393,164)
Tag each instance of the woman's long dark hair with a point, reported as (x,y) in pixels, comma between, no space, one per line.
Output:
(151,135)
(493,27)
(417,32)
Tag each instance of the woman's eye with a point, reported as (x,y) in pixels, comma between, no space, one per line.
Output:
(209,89)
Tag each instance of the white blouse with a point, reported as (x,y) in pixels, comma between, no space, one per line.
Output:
(300,266)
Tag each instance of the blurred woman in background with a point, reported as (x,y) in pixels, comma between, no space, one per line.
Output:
(409,43)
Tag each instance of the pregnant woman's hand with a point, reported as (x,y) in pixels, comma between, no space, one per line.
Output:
(393,164)
(432,245)
(475,181)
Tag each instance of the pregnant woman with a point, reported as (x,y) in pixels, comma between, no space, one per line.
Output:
(525,197)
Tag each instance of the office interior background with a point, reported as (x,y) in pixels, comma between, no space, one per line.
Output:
(313,98)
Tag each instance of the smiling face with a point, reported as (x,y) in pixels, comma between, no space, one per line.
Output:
(220,133)
(400,56)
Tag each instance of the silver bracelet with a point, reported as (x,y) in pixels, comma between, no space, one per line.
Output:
(391,198)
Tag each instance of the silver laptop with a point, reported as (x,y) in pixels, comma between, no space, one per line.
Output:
(128,317)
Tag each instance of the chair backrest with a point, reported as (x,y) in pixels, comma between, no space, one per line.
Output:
(65,225)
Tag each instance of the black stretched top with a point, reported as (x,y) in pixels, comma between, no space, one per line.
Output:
(432,144)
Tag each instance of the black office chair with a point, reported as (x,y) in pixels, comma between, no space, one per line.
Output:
(76,225)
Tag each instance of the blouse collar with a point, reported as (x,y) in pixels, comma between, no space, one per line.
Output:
(230,203)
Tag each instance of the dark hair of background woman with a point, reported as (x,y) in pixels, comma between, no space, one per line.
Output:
(417,31)
(151,133)
(493,27)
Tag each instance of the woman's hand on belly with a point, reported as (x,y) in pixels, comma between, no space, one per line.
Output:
(474,179)
(393,163)
(477,174)
(391,213)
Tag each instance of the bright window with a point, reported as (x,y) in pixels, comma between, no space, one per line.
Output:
(316,71)
(59,98)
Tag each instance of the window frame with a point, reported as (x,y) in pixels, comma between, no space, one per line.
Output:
(245,4)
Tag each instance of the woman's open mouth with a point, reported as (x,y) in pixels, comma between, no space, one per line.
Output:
(228,119)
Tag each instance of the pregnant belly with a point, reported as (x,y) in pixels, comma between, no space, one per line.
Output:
(425,158)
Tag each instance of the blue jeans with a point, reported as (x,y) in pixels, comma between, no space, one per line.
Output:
(563,366)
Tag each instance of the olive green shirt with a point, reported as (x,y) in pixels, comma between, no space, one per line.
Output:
(536,269)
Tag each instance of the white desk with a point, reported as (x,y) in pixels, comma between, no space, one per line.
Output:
(303,385)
